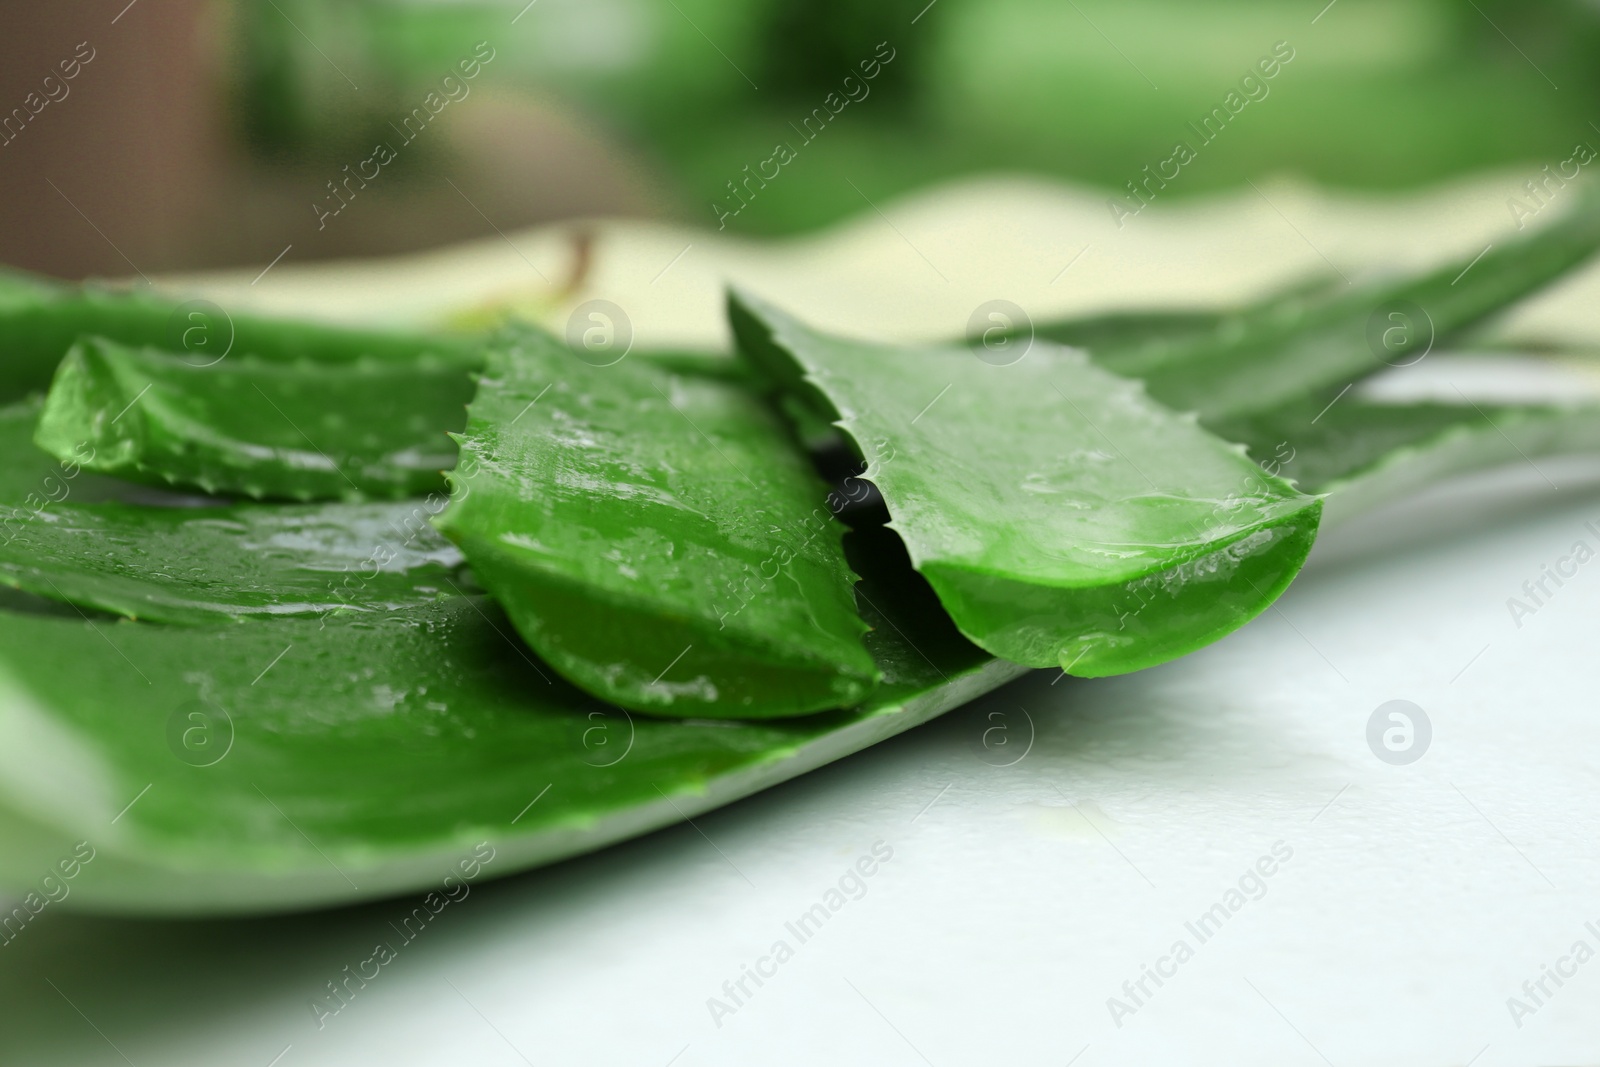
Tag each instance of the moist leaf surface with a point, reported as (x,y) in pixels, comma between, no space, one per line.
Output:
(78,744)
(208,565)
(388,787)
(660,540)
(258,428)
(294,764)
(398,741)
(95,542)
(1062,517)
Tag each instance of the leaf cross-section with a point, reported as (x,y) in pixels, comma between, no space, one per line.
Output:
(247,426)
(659,540)
(1063,517)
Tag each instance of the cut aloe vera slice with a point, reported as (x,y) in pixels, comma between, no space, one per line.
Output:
(252,427)
(97,543)
(335,777)
(32,478)
(660,540)
(1063,518)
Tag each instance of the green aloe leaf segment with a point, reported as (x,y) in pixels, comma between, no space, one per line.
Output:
(252,427)
(1063,517)
(658,539)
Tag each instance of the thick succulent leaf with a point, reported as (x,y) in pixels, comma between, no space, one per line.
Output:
(341,779)
(98,543)
(40,319)
(1366,454)
(1276,352)
(252,858)
(660,540)
(296,764)
(208,565)
(302,431)
(31,477)
(1062,516)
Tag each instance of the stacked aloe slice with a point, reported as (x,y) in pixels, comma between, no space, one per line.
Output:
(300,614)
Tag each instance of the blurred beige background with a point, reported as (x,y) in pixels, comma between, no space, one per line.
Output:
(136,169)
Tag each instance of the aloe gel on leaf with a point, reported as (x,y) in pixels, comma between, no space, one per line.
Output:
(367,429)
(1062,517)
(660,540)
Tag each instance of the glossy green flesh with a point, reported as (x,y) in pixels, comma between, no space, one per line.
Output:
(224,868)
(1063,519)
(658,539)
(95,542)
(40,320)
(192,560)
(344,743)
(32,478)
(247,426)
(371,750)
(210,565)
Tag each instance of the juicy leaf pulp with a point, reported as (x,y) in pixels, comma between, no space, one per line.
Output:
(391,738)
(247,426)
(1100,543)
(659,540)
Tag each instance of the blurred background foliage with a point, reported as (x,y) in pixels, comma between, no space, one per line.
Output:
(1380,94)
(209,133)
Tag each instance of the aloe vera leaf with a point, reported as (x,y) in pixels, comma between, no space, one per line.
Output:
(339,784)
(1061,516)
(209,561)
(391,793)
(658,539)
(1278,352)
(40,319)
(1130,333)
(30,477)
(1365,454)
(1235,361)
(208,565)
(144,876)
(92,541)
(294,765)
(301,431)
